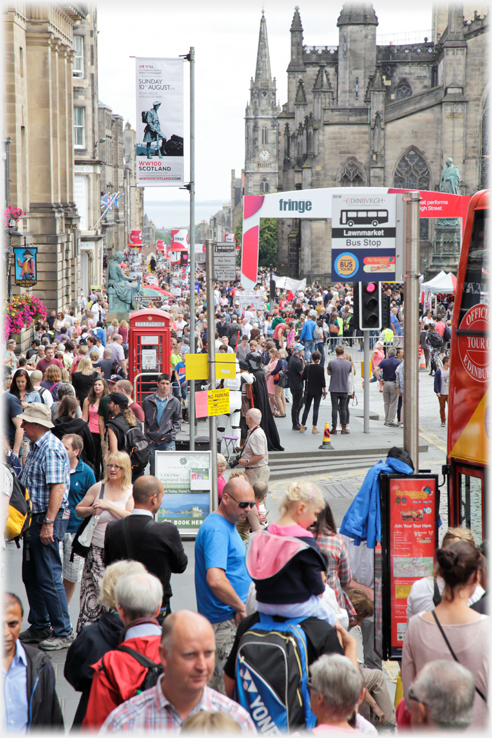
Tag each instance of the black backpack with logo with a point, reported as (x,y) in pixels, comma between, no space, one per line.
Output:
(136,445)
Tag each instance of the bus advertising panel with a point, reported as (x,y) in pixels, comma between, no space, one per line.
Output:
(409,532)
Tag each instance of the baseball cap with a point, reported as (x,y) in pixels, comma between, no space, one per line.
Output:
(115,378)
(37,413)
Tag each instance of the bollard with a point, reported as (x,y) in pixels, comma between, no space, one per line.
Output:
(326,445)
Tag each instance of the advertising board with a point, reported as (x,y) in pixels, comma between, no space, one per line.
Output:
(187,486)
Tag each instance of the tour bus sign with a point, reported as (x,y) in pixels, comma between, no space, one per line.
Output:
(363,241)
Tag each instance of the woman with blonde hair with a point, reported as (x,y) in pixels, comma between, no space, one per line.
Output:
(109,500)
(103,636)
(52,379)
(83,378)
(277,364)
(113,328)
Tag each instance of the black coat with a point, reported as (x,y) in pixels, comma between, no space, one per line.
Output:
(79,426)
(261,401)
(43,706)
(160,550)
(90,645)
(296,368)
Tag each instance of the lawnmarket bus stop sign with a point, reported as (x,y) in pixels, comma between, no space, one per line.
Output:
(363,238)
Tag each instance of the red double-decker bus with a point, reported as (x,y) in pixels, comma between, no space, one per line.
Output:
(469,410)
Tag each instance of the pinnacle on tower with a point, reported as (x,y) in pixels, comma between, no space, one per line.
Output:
(263,73)
(296,20)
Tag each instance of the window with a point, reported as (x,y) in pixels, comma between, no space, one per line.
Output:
(412,173)
(352,173)
(78,60)
(264,135)
(79,128)
(403,89)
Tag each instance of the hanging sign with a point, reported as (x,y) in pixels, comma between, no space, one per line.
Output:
(26,271)
(160,122)
(218,402)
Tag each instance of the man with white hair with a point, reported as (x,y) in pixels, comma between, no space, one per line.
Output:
(336,687)
(441,697)
(119,674)
(254,458)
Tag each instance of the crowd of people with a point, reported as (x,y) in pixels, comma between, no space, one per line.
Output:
(94,495)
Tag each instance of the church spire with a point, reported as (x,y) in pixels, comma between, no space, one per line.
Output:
(263,73)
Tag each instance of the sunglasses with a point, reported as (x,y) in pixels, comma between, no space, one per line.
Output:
(413,697)
(310,686)
(242,505)
(114,466)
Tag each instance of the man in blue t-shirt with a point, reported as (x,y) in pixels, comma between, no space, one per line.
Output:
(81,479)
(221,578)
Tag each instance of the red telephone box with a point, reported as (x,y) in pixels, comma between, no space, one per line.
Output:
(149,350)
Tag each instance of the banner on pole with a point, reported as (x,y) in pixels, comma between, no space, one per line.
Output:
(160,122)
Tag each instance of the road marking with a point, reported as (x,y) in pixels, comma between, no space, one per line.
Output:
(432,438)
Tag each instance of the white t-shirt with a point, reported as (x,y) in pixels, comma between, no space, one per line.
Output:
(421,595)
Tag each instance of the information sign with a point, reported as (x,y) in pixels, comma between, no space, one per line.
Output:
(363,237)
(256,298)
(186,480)
(218,402)
(409,525)
(225,261)
(149,359)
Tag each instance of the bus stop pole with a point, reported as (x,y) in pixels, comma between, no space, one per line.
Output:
(411,338)
(366,379)
(191,403)
(212,420)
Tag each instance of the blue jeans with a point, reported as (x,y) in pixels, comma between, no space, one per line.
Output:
(308,349)
(162,446)
(42,577)
(320,346)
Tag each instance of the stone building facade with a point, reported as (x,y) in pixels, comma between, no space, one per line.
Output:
(38,120)
(111,154)
(87,169)
(362,114)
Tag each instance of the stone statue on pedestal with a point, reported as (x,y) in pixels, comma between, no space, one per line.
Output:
(121,296)
(450,178)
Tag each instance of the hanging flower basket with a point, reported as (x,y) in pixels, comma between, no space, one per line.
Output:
(20,314)
(11,216)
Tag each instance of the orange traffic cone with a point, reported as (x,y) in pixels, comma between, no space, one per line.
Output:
(326,445)
(422,364)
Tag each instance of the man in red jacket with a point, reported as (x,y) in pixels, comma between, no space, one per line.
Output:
(118,675)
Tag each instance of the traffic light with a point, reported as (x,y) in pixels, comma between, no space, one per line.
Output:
(385,311)
(370,306)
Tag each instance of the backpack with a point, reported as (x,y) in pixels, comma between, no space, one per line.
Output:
(447,334)
(20,511)
(434,339)
(41,391)
(153,670)
(144,116)
(272,675)
(317,332)
(137,447)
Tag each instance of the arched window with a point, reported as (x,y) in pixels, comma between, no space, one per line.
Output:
(267,187)
(412,173)
(351,173)
(484,163)
(403,89)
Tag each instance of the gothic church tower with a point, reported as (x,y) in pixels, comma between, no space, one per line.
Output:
(261,160)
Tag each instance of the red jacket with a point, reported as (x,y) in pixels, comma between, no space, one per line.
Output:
(119,680)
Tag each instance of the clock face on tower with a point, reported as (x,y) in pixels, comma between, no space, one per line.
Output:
(264,155)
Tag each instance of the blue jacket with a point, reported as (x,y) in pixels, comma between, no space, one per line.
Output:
(307,331)
(80,481)
(437,382)
(362,521)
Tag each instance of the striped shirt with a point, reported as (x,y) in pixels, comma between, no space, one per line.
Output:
(46,464)
(151,710)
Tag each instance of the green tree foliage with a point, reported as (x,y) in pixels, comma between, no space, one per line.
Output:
(163,236)
(268,240)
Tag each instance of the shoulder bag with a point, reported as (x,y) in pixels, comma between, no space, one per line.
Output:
(83,537)
(452,652)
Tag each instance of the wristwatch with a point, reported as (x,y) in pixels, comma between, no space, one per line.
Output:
(47,521)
